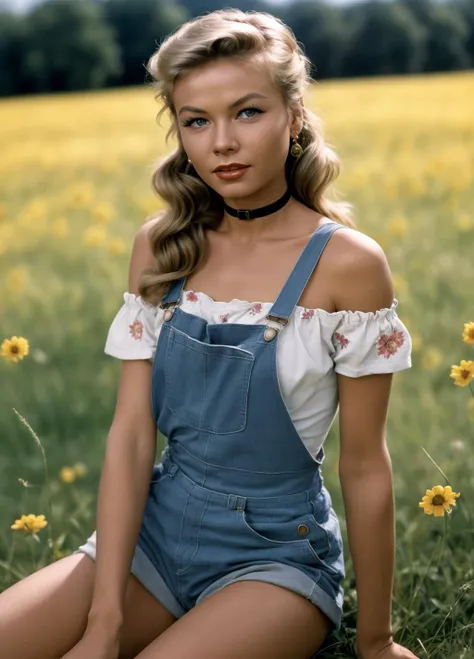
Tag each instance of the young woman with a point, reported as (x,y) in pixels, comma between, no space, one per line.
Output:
(230,547)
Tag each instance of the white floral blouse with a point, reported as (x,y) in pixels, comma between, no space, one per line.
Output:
(312,349)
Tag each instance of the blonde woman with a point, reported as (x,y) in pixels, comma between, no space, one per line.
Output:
(255,312)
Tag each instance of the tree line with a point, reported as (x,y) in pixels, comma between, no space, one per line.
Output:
(65,45)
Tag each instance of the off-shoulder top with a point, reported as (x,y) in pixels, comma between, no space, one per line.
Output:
(311,350)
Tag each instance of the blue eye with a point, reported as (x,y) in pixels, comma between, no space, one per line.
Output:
(190,122)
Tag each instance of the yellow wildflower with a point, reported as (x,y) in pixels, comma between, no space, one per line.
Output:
(398,226)
(117,246)
(464,222)
(68,474)
(30,523)
(15,348)
(462,374)
(80,194)
(94,236)
(438,500)
(103,213)
(468,333)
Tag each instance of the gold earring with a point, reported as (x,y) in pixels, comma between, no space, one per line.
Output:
(190,161)
(296,148)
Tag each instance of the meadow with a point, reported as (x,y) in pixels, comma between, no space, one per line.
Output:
(74,188)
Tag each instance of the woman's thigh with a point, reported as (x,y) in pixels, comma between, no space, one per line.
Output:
(245,619)
(45,614)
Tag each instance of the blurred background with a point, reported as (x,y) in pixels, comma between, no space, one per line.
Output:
(394,86)
(61,45)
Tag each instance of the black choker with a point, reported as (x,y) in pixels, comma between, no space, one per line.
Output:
(259,212)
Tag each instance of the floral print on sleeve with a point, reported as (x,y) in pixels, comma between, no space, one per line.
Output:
(366,343)
(341,339)
(136,330)
(388,344)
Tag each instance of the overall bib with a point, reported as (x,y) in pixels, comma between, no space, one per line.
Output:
(237,496)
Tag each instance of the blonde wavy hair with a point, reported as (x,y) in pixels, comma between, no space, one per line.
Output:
(177,239)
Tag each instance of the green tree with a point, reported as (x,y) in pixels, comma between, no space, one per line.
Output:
(466,11)
(69,47)
(322,30)
(385,38)
(448,34)
(12,42)
(139,26)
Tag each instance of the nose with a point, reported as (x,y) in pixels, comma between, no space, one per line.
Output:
(224,139)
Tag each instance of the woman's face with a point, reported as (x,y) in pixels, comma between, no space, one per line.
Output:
(218,131)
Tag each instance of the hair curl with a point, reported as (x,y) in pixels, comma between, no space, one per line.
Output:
(178,239)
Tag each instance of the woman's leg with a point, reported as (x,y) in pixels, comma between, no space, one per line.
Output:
(245,619)
(45,614)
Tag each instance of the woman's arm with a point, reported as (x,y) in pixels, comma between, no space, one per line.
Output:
(365,284)
(366,482)
(129,458)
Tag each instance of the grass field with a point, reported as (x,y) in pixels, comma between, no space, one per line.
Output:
(74,188)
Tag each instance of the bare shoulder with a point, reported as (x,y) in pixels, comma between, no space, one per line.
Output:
(359,271)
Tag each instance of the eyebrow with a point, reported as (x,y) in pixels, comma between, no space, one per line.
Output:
(239,101)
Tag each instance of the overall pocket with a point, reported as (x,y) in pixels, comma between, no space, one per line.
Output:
(207,385)
(295,528)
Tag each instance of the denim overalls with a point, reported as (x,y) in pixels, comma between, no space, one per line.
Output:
(236,496)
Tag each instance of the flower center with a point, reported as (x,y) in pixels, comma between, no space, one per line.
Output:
(465,373)
(15,349)
(438,500)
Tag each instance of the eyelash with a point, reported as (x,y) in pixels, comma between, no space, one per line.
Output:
(189,122)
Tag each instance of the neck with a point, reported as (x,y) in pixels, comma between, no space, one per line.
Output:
(260,225)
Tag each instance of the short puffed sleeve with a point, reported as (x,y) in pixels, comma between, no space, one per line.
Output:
(366,343)
(133,332)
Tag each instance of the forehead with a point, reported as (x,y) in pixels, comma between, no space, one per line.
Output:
(221,81)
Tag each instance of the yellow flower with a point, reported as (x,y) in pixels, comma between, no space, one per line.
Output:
(468,333)
(15,348)
(398,227)
(68,474)
(80,194)
(103,213)
(94,236)
(117,246)
(30,523)
(80,469)
(462,374)
(439,499)
(464,222)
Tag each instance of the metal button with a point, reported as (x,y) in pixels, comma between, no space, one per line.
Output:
(303,529)
(168,314)
(269,334)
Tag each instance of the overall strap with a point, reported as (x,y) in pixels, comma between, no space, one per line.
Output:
(302,271)
(173,296)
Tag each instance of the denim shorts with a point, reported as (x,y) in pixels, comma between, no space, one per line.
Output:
(194,541)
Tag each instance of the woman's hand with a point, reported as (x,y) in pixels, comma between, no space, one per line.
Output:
(95,646)
(389,651)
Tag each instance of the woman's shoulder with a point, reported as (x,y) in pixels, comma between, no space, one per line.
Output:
(358,271)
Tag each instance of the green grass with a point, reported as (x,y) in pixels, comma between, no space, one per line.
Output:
(412,159)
